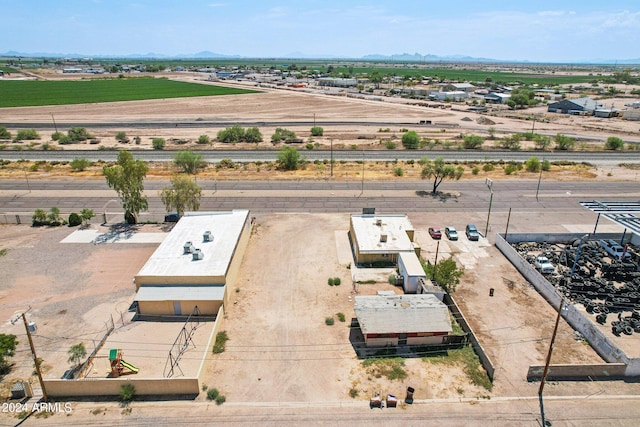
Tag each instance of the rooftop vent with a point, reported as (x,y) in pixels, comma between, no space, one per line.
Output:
(379,222)
(188,248)
(207,237)
(383,238)
(197,255)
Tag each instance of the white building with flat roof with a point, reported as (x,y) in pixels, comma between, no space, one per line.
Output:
(194,264)
(379,238)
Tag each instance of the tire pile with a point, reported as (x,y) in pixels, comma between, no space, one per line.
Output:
(601,284)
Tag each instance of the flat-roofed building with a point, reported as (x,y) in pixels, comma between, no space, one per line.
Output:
(411,271)
(380,238)
(396,320)
(194,265)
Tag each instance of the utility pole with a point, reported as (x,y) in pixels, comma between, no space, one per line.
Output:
(539,179)
(331,162)
(54,123)
(490,186)
(35,358)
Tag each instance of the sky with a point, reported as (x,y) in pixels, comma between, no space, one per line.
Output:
(538,30)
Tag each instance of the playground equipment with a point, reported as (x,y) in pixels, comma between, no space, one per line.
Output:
(118,366)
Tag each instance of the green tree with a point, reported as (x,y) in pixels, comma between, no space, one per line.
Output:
(282,134)
(446,273)
(317,131)
(542,142)
(26,135)
(439,171)
(76,353)
(183,194)
(410,140)
(472,141)
(614,143)
(126,178)
(376,79)
(8,344)
(564,142)
(79,164)
(289,158)
(54,217)
(39,218)
(492,132)
(189,161)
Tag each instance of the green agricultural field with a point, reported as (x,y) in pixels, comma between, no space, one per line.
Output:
(23,93)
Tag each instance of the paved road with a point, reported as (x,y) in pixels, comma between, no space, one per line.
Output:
(325,196)
(600,158)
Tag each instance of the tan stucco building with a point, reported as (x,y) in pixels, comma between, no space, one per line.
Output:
(380,238)
(195,265)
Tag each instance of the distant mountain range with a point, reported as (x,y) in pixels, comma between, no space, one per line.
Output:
(402,57)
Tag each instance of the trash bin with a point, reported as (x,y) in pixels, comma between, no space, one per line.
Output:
(409,398)
(490,292)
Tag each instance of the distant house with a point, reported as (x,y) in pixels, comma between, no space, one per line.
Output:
(337,82)
(574,106)
(463,87)
(457,95)
(388,319)
(497,98)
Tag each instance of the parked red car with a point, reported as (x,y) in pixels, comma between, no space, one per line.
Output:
(435,233)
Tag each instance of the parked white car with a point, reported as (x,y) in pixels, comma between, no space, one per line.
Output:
(542,263)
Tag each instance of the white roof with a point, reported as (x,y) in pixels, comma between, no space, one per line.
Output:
(382,314)
(180,293)
(412,264)
(169,259)
(393,226)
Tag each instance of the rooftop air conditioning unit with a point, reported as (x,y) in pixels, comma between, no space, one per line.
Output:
(197,255)
(207,237)
(188,248)
(383,238)
(379,222)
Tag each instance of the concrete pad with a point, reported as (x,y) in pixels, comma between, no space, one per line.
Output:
(345,254)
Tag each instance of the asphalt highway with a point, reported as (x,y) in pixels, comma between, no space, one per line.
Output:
(18,196)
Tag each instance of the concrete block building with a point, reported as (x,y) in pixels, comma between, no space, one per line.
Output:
(195,265)
(381,238)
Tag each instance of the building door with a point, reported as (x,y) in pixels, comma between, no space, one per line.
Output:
(177,309)
(402,339)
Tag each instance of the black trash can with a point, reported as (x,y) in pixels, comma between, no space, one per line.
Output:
(490,292)
(409,398)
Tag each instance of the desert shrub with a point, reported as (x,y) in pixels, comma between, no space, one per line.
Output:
(4,133)
(221,342)
(78,134)
(614,143)
(472,141)
(398,171)
(509,169)
(64,139)
(34,167)
(330,281)
(289,158)
(231,135)
(127,392)
(253,134)
(390,145)
(56,136)
(475,170)
(26,135)
(546,165)
(226,164)
(341,317)
(39,218)
(283,135)
(336,281)
(532,164)
(488,167)
(212,394)
(392,279)
(136,139)
(410,140)
(542,142)
(317,131)
(309,146)
(158,143)
(74,220)
(564,142)
(79,164)
(329,321)
(204,139)
(220,399)
(122,137)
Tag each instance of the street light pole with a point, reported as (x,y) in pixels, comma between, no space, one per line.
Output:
(490,186)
